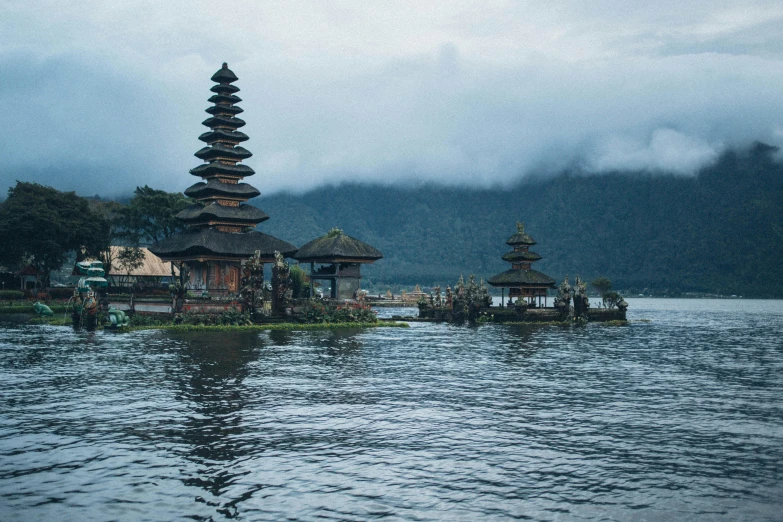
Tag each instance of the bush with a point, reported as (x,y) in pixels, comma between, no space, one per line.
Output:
(11,294)
(320,312)
(61,293)
(231,317)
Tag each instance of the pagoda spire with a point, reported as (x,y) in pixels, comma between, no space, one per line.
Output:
(221,196)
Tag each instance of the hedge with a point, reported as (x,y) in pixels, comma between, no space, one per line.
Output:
(11,294)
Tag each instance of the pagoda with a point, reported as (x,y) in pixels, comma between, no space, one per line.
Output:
(521,280)
(220,233)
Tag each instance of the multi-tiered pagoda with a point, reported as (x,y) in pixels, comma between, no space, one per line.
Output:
(522,281)
(220,232)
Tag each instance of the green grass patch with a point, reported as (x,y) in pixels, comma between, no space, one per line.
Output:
(262,327)
(28,308)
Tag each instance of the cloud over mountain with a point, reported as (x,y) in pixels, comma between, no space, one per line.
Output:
(101,97)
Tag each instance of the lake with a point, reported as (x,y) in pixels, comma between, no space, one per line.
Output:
(677,416)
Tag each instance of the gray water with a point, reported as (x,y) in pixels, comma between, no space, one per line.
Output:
(678,418)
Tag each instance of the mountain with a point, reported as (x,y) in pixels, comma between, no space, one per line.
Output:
(720,231)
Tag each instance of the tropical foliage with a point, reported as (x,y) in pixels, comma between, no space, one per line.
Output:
(316,311)
(41,226)
(150,216)
(720,231)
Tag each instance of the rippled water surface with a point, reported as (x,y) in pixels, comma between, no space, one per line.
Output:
(678,418)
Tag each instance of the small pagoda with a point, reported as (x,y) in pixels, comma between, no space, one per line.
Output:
(340,257)
(521,280)
(220,233)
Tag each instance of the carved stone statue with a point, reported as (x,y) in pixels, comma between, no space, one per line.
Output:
(251,292)
(281,284)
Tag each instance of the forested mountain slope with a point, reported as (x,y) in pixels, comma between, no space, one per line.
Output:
(718,232)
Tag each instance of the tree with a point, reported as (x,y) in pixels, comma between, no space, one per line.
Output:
(43,225)
(603,286)
(299,282)
(150,216)
(129,259)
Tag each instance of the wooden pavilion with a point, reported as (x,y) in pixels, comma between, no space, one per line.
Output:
(340,257)
(521,280)
(220,232)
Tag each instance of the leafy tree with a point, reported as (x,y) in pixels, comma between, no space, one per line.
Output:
(150,216)
(42,225)
(602,285)
(129,259)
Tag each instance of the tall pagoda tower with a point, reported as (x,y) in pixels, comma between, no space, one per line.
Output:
(521,280)
(220,233)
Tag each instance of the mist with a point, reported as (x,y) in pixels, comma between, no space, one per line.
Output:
(101,98)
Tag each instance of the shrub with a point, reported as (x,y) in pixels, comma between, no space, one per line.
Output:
(61,293)
(320,312)
(11,294)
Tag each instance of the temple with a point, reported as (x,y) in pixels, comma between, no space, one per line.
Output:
(521,280)
(340,257)
(220,233)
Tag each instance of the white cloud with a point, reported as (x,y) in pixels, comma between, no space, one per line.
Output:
(457,92)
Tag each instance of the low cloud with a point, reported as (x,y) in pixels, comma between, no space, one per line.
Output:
(481,93)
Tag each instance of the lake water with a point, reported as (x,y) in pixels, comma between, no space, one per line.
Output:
(678,418)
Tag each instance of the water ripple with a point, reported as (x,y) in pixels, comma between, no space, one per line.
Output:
(676,418)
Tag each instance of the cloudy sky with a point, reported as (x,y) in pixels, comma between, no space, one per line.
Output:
(99,97)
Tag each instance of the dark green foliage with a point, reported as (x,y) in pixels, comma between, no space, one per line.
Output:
(11,294)
(601,284)
(43,225)
(150,216)
(610,299)
(60,293)
(320,312)
(718,232)
(299,281)
(233,317)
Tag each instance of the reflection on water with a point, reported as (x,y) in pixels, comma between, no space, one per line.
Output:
(676,418)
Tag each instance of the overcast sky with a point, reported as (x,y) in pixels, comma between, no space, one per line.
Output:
(99,97)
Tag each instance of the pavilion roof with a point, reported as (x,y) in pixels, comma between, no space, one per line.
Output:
(521,278)
(336,246)
(152,265)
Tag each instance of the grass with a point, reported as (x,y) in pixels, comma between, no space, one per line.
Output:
(263,327)
(25,307)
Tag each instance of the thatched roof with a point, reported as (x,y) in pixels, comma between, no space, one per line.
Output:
(198,213)
(217,167)
(224,98)
(223,88)
(520,256)
(210,241)
(224,109)
(153,266)
(224,75)
(520,278)
(219,150)
(224,121)
(335,247)
(215,187)
(216,134)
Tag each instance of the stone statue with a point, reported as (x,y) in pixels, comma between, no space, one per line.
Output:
(281,284)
